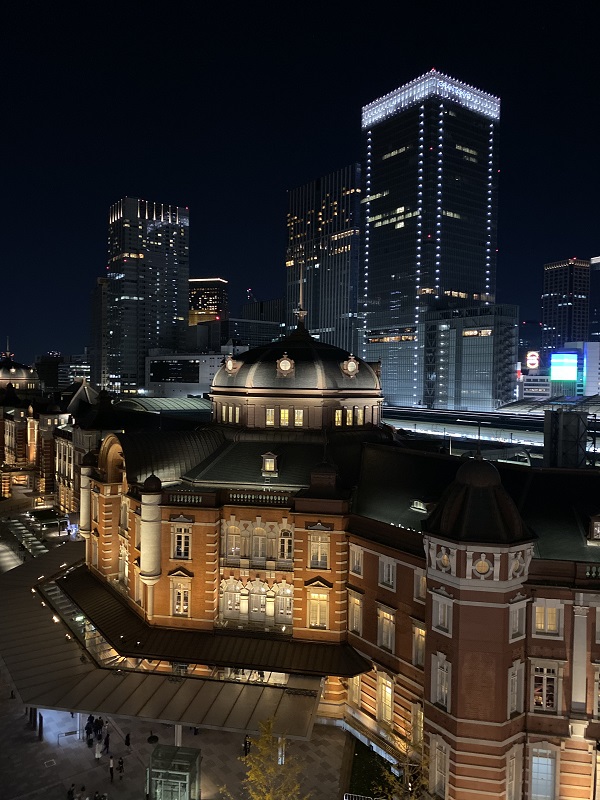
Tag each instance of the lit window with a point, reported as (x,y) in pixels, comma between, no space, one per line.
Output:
(385,698)
(284,417)
(354,690)
(360,416)
(545,685)
(237,414)
(416,723)
(439,773)
(543,775)
(338,417)
(318,608)
(547,618)
(418,653)
(349,416)
(270,417)
(286,545)
(259,543)
(355,613)
(181,601)
(299,417)
(420,587)
(440,680)
(386,629)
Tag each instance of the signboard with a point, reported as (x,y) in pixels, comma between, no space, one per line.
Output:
(563,366)
(532,359)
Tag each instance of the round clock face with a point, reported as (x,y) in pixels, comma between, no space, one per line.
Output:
(229,364)
(285,364)
(351,366)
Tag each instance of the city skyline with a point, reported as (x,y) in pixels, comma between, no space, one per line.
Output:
(228,125)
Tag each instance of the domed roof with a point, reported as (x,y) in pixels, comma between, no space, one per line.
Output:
(13,371)
(297,362)
(477,508)
(152,484)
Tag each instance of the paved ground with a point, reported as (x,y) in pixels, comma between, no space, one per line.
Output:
(44,770)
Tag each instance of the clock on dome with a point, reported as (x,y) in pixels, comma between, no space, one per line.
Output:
(285,365)
(350,366)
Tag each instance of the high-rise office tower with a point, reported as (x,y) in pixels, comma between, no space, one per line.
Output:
(147,288)
(594,330)
(565,303)
(323,253)
(209,300)
(430,206)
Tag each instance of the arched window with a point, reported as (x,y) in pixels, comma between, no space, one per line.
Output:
(284,603)
(257,601)
(234,543)
(230,598)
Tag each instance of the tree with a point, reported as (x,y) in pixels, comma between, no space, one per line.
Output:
(410,775)
(271,774)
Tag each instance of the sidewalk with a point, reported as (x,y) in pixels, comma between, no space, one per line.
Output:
(44,770)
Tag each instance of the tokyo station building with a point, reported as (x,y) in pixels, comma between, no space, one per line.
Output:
(296,559)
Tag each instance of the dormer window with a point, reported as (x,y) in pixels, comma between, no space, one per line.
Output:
(269,465)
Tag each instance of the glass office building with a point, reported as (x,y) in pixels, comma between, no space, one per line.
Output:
(565,304)
(147,275)
(323,252)
(430,212)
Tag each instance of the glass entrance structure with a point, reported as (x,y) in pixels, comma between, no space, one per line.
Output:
(174,773)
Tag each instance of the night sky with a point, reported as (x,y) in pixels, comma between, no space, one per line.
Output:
(223,108)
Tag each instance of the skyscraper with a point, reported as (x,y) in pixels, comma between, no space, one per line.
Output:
(209,300)
(323,253)
(147,288)
(430,206)
(565,303)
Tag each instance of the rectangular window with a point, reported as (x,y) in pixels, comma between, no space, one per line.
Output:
(319,551)
(356,560)
(385,698)
(182,542)
(181,602)
(355,613)
(416,724)
(286,546)
(517,622)
(349,416)
(360,416)
(299,417)
(545,684)
(230,413)
(440,680)
(386,629)
(338,417)
(387,573)
(516,676)
(270,420)
(259,546)
(284,417)
(237,414)
(547,618)
(317,609)
(354,690)
(543,775)
(442,614)
(418,655)
(420,587)
(439,778)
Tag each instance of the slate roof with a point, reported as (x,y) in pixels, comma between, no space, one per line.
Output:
(123,628)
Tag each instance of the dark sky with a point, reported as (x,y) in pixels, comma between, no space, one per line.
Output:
(223,108)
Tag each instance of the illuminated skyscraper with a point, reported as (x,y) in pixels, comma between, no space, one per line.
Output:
(323,252)
(430,205)
(147,287)
(565,303)
(208,300)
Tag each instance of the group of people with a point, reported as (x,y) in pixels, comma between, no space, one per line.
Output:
(73,794)
(96,730)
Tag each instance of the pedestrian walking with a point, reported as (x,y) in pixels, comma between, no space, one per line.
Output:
(98,754)
(107,742)
(71,792)
(120,767)
(246,745)
(111,769)
(97,796)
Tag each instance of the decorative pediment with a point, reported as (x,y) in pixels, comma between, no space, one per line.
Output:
(180,518)
(319,526)
(180,572)
(318,583)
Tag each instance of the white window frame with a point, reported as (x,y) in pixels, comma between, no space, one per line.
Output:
(420,586)
(417,719)
(547,676)
(387,573)
(441,614)
(419,639)
(547,618)
(516,689)
(517,621)
(441,681)
(356,560)
(286,545)
(355,612)
(318,609)
(354,690)
(318,557)
(181,542)
(439,769)
(386,628)
(284,605)
(270,417)
(385,698)
(181,594)
(298,417)
(547,752)
(284,417)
